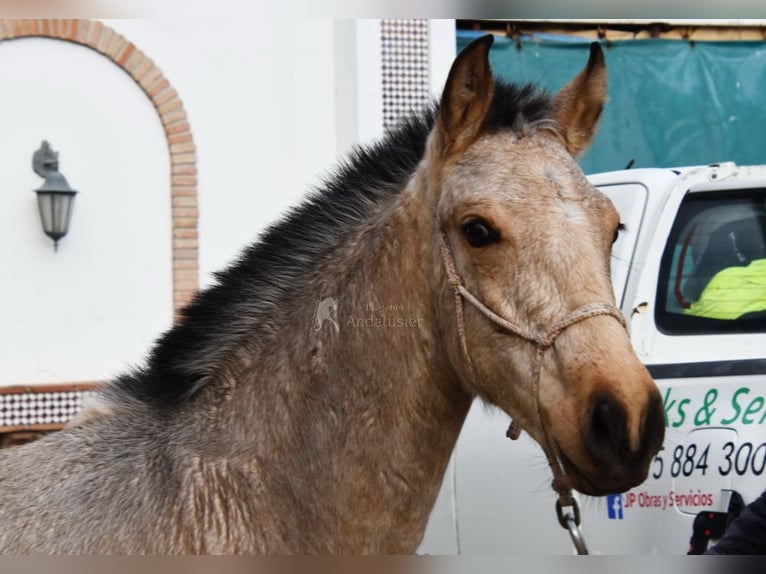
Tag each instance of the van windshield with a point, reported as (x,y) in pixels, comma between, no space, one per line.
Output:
(713,274)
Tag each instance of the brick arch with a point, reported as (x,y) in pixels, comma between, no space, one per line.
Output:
(175,123)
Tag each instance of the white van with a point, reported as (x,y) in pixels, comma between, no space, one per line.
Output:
(702,335)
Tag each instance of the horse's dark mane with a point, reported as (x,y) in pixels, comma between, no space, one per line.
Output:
(247,293)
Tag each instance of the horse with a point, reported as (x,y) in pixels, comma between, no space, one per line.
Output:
(465,256)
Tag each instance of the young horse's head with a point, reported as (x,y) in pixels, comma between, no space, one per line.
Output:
(525,240)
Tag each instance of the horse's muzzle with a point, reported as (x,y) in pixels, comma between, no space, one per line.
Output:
(619,461)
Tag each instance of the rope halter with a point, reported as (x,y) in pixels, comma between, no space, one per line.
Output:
(542,342)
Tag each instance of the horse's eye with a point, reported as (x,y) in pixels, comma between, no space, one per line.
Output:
(620,227)
(479,233)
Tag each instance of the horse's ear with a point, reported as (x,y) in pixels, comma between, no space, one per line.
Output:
(579,104)
(466,98)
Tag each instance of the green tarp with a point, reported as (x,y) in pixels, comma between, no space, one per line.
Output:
(671,103)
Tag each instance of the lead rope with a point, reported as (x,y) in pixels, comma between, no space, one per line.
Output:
(567,510)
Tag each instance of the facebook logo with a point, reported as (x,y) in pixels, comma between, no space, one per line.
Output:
(614,506)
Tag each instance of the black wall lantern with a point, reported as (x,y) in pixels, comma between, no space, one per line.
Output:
(55,197)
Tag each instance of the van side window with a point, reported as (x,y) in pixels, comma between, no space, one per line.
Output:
(713,274)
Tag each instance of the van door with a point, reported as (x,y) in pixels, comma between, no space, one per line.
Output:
(699,324)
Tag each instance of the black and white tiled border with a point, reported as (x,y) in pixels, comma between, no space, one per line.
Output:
(405,68)
(41,408)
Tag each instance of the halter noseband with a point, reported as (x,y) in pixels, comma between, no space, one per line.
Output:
(541,341)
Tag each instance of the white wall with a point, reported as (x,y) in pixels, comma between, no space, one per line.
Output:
(272,104)
(442,50)
(84,312)
(261,107)
(260,95)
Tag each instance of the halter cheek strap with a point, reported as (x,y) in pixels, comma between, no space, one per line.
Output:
(542,342)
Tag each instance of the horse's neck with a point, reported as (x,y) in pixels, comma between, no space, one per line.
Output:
(364,416)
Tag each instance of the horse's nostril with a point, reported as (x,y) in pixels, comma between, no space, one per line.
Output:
(605,436)
(654,424)
(602,417)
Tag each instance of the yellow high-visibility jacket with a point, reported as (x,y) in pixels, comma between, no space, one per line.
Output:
(732,292)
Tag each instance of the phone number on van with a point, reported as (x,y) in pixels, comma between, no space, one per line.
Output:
(692,459)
